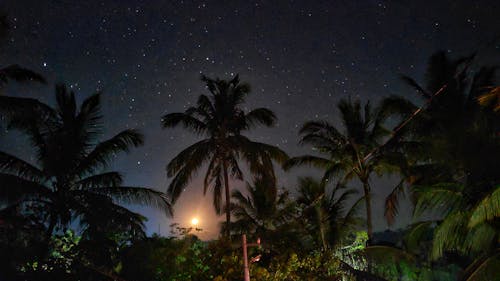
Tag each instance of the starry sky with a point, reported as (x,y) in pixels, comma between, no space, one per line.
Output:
(300,57)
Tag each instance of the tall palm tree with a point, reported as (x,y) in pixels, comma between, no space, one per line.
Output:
(68,180)
(460,137)
(354,152)
(263,209)
(221,119)
(264,212)
(325,213)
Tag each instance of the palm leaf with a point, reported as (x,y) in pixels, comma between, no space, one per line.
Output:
(136,195)
(260,116)
(487,209)
(14,188)
(19,74)
(100,180)
(392,202)
(103,153)
(444,198)
(17,166)
(189,122)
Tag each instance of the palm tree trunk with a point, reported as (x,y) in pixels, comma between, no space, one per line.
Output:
(321,227)
(228,196)
(368,201)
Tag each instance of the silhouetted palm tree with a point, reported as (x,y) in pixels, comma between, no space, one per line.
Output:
(353,153)
(262,211)
(325,213)
(221,119)
(68,180)
(461,139)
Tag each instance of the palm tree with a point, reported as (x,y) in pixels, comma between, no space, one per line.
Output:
(263,212)
(221,119)
(68,180)
(461,138)
(353,153)
(325,213)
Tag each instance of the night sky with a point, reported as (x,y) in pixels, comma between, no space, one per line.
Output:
(300,57)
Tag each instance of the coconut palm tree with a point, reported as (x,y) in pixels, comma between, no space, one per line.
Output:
(68,180)
(355,152)
(461,138)
(325,212)
(264,212)
(221,119)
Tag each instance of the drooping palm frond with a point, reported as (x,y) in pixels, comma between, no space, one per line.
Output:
(21,168)
(417,233)
(392,202)
(136,195)
(19,74)
(450,234)
(443,197)
(315,161)
(260,116)
(188,122)
(103,153)
(99,180)
(185,165)
(484,268)
(487,209)
(14,188)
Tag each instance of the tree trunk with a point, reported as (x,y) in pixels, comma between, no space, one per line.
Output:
(366,188)
(228,197)
(321,227)
(368,201)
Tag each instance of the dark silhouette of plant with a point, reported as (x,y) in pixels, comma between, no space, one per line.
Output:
(455,176)
(221,119)
(352,153)
(264,212)
(68,180)
(325,213)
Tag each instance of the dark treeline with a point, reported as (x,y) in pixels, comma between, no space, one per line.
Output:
(63,215)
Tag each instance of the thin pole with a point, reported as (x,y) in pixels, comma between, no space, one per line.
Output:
(246,272)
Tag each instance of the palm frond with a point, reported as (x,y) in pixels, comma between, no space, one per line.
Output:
(21,168)
(392,202)
(408,80)
(19,74)
(314,161)
(136,195)
(100,180)
(450,234)
(443,197)
(200,150)
(416,233)
(188,122)
(105,151)
(14,188)
(487,209)
(260,116)
(484,268)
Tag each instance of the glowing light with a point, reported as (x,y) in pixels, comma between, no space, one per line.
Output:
(195,221)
